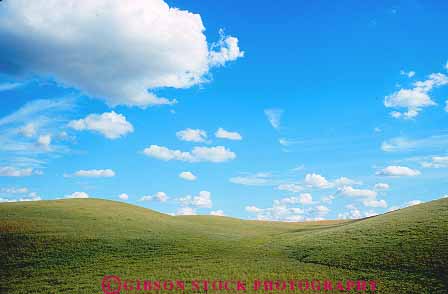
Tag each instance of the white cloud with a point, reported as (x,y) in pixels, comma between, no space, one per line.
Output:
(279,212)
(258,179)
(253,209)
(186,211)
(294,188)
(353,213)
(42,117)
(228,50)
(314,219)
(202,200)
(164,153)
(374,203)
(398,171)
(352,192)
(29,162)
(31,197)
(409,74)
(192,135)
(295,218)
(306,198)
(285,210)
(416,98)
(409,98)
(298,168)
(159,196)
(28,130)
(147,45)
(44,141)
(434,80)
(314,180)
(9,86)
(317,181)
(9,171)
(77,195)
(213,154)
(370,213)
(35,109)
(284,142)
(401,144)
(395,114)
(274,117)
(198,154)
(223,134)
(382,186)
(95,173)
(22,190)
(446,105)
(436,162)
(343,181)
(186,175)
(288,200)
(404,205)
(123,196)
(398,144)
(217,213)
(4,200)
(109,124)
(328,199)
(322,210)
(413,202)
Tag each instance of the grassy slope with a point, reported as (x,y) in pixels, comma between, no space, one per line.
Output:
(69,245)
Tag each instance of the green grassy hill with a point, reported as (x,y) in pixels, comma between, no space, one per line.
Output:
(67,246)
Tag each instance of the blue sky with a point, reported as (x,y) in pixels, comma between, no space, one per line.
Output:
(326,110)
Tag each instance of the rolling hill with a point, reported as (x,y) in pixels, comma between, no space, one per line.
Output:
(68,246)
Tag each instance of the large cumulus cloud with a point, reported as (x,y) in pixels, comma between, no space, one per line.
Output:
(110,49)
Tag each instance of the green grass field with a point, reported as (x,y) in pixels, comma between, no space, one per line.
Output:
(67,246)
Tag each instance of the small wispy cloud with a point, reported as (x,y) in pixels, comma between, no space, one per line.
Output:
(257,179)
(33,132)
(282,180)
(285,142)
(92,173)
(436,162)
(409,74)
(10,171)
(42,108)
(274,116)
(402,144)
(9,86)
